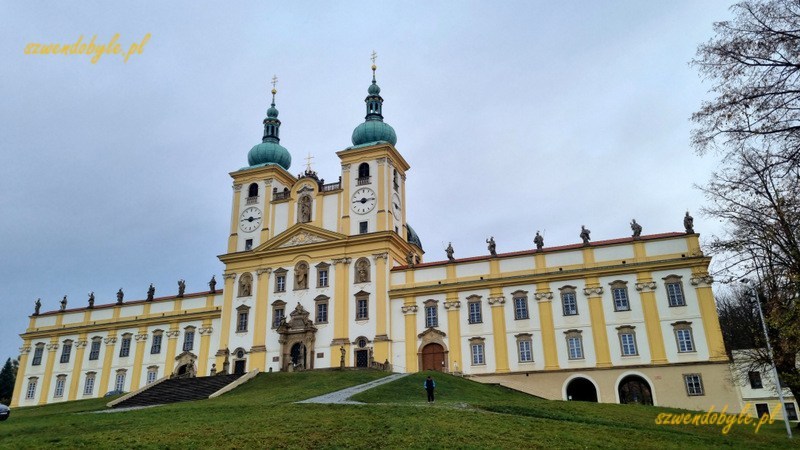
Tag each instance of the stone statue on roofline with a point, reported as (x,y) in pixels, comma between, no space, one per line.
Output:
(64,303)
(688,223)
(636,228)
(449,250)
(120,296)
(91,300)
(492,246)
(181,287)
(151,292)
(585,235)
(37,306)
(212,285)
(410,259)
(538,240)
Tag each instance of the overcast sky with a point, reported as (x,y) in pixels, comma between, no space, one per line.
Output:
(514,116)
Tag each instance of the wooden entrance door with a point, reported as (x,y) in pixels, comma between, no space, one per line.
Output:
(239,366)
(433,357)
(362,358)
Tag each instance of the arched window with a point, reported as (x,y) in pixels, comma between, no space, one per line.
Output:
(362,271)
(252,191)
(245,285)
(363,170)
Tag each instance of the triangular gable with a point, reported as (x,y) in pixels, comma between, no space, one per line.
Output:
(300,234)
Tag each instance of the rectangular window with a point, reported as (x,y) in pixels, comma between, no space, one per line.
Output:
(628,343)
(431,316)
(88,388)
(362,309)
(363,227)
(322,312)
(323,278)
(65,352)
(59,392)
(762,409)
(755,380)
(525,354)
(475,312)
(94,352)
(520,308)
(620,295)
(791,412)
(37,355)
(31,392)
(694,384)
(125,347)
(155,348)
(248,244)
(119,384)
(280,283)
(675,294)
(277,316)
(477,354)
(188,340)
(570,303)
(241,324)
(151,376)
(685,341)
(575,345)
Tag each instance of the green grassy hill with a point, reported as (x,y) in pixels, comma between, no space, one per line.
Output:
(262,414)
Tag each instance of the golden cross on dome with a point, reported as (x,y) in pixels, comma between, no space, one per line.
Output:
(373,57)
(308,161)
(274,81)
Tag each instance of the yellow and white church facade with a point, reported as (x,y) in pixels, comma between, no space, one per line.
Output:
(327,275)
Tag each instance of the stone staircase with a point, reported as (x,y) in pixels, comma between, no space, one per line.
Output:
(178,390)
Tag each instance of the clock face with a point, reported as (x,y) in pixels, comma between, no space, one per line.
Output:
(363,201)
(396,206)
(250,219)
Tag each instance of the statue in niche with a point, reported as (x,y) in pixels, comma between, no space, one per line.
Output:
(301,276)
(64,303)
(245,286)
(305,209)
(212,285)
(492,246)
(120,296)
(181,287)
(91,300)
(688,223)
(410,259)
(636,228)
(585,235)
(416,259)
(538,240)
(151,292)
(341,360)
(362,271)
(37,306)
(449,250)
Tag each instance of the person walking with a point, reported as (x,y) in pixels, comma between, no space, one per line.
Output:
(429,385)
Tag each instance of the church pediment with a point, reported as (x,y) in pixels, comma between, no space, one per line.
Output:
(300,234)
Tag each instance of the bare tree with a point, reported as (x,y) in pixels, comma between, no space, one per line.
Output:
(753,122)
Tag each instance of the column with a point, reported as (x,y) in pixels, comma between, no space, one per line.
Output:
(708,311)
(258,352)
(80,347)
(225,318)
(205,332)
(23,364)
(172,344)
(646,288)
(266,220)
(344,224)
(497,304)
(453,306)
(108,356)
(233,238)
(48,370)
(544,299)
(136,372)
(409,310)
(381,346)
(594,291)
(341,311)
(384,211)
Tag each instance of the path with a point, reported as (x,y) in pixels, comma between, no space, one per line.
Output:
(341,397)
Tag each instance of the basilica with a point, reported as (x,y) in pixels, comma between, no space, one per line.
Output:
(322,275)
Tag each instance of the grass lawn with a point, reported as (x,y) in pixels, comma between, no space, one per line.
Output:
(262,414)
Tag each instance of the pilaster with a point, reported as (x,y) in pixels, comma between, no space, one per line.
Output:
(497,305)
(225,316)
(409,310)
(108,356)
(233,239)
(708,311)
(453,305)
(24,351)
(597,317)
(382,343)
(48,370)
(205,332)
(646,288)
(136,370)
(258,355)
(544,299)
(80,347)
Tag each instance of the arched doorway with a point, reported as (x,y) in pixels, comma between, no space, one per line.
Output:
(239,362)
(581,390)
(635,389)
(433,357)
(298,356)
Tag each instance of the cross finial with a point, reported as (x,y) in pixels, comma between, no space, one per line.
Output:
(373,57)
(274,81)
(308,161)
